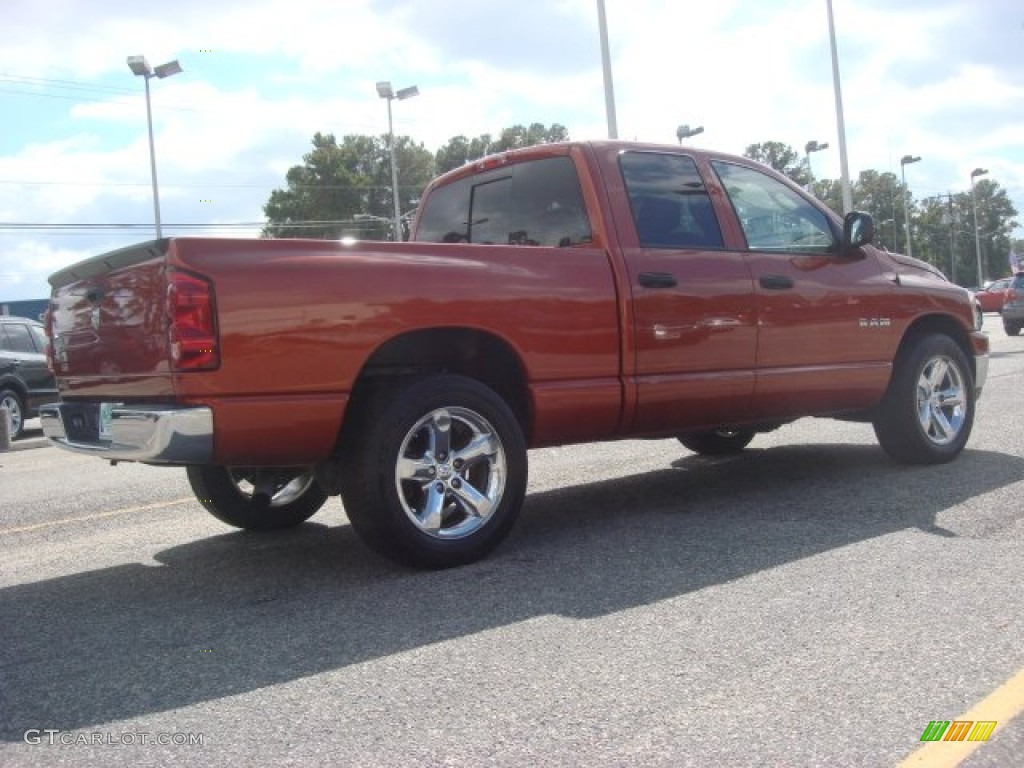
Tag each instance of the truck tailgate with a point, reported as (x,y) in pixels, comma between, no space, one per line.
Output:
(108,325)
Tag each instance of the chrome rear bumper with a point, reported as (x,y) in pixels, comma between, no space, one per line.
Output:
(159,434)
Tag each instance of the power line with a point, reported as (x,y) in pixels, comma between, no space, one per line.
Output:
(58,83)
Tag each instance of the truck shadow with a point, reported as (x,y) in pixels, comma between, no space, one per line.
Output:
(238,612)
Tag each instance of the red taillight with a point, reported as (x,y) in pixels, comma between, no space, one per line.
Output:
(48,328)
(192,323)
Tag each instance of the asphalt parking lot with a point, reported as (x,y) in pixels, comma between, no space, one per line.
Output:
(807,603)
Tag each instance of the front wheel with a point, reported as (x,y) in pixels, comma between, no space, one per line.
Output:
(435,476)
(928,411)
(1011,328)
(257,499)
(717,442)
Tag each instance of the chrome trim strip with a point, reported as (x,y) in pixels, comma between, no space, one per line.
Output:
(160,434)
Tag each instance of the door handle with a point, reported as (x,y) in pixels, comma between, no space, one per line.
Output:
(657,280)
(776,282)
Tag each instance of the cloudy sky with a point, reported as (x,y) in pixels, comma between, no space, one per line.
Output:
(942,79)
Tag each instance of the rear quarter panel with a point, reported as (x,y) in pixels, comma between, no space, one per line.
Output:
(299,319)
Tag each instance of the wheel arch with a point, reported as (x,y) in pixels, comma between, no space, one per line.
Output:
(15,384)
(938,324)
(471,352)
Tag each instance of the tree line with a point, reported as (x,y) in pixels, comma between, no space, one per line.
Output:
(940,228)
(343,188)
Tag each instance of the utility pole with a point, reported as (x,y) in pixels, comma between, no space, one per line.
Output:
(952,247)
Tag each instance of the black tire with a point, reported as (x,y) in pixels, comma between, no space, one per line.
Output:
(257,499)
(418,462)
(1012,329)
(14,403)
(928,410)
(717,442)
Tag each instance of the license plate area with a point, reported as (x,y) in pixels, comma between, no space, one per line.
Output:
(88,422)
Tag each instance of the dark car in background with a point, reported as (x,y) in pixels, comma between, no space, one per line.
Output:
(1013,307)
(25,380)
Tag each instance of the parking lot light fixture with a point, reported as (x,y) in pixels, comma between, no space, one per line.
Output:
(685,132)
(904,162)
(385,91)
(812,146)
(977,237)
(140,68)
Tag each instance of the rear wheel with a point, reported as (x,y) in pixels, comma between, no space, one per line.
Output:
(10,400)
(717,442)
(1011,328)
(927,414)
(434,476)
(257,499)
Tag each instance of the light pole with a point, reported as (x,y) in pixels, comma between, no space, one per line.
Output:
(385,91)
(685,132)
(140,67)
(812,146)
(904,162)
(844,163)
(977,237)
(606,66)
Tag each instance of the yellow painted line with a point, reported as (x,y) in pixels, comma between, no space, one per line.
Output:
(97,516)
(1002,705)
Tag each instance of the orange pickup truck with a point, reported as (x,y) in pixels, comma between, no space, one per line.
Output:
(559,294)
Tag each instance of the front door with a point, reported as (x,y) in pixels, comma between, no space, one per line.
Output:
(824,329)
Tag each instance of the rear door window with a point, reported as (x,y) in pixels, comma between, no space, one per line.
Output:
(671,207)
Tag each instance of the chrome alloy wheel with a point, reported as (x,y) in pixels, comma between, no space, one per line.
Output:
(450,474)
(941,400)
(14,409)
(280,486)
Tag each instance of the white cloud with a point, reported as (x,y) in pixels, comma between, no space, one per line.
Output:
(940,79)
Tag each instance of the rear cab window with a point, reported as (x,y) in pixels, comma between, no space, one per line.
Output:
(536,202)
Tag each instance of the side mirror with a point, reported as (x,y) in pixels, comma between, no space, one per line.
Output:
(858,230)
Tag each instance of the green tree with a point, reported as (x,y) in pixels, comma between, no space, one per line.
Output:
(881,195)
(996,222)
(783,158)
(320,194)
(461,150)
(519,136)
(944,233)
(338,183)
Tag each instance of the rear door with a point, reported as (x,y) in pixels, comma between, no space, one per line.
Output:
(695,332)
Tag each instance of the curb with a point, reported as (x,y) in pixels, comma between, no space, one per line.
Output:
(28,444)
